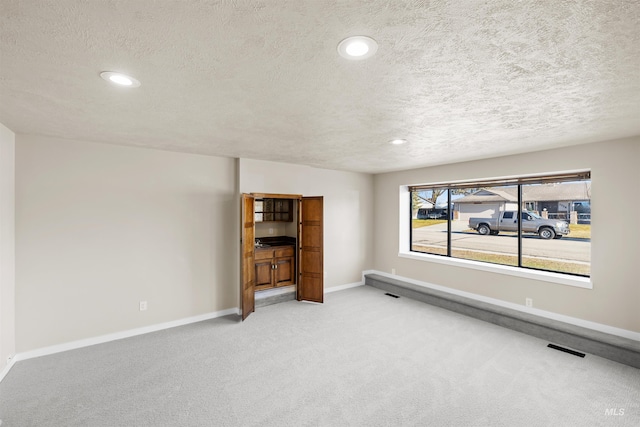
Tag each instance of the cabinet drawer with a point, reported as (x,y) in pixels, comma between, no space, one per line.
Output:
(284,251)
(263,253)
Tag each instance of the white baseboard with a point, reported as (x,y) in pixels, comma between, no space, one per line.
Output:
(44,351)
(542,313)
(180,322)
(343,287)
(7,368)
(133,332)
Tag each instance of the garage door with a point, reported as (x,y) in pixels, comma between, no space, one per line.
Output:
(480,210)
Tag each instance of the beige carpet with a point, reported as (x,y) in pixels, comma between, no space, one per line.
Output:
(361,359)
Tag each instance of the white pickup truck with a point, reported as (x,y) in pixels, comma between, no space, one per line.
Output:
(531,223)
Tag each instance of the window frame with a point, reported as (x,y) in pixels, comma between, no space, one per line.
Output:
(406,238)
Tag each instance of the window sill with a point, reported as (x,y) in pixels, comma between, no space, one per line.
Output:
(563,279)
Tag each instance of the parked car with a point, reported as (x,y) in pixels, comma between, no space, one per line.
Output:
(435,213)
(531,223)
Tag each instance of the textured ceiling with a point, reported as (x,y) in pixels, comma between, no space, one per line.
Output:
(459,79)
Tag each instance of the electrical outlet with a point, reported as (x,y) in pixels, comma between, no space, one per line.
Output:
(143,305)
(393,271)
(271,231)
(528,302)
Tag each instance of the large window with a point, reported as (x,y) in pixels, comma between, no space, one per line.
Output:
(541,223)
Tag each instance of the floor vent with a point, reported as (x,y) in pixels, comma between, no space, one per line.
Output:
(566,350)
(392,295)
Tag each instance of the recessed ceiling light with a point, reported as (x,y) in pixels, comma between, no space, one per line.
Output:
(398,141)
(119,79)
(357,47)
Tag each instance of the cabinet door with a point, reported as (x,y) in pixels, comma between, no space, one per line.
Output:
(268,210)
(264,272)
(284,271)
(273,210)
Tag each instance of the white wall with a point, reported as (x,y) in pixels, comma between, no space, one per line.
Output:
(101,227)
(615,296)
(7,245)
(348,210)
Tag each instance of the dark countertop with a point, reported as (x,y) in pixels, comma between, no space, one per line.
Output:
(266,242)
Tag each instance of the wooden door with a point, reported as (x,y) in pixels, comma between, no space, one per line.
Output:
(247,244)
(310,255)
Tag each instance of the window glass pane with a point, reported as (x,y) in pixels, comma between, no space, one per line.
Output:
(429,221)
(479,231)
(557,233)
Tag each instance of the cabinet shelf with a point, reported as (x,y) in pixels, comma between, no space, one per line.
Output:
(273,210)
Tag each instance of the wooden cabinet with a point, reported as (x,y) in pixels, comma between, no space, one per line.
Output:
(277,210)
(288,260)
(274,267)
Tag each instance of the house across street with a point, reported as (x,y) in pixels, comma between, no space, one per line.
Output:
(566,201)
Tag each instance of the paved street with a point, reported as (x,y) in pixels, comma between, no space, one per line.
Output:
(566,248)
